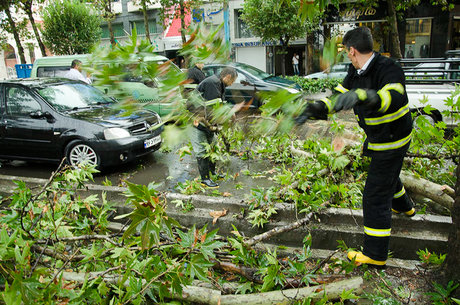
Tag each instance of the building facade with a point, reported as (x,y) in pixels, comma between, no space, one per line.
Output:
(425,31)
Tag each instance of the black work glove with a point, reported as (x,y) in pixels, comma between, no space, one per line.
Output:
(346,101)
(316,110)
(367,97)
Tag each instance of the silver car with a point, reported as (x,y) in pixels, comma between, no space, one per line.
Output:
(338,70)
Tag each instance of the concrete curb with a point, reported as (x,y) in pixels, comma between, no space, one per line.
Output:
(408,234)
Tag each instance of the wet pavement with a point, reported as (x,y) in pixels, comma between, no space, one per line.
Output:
(166,169)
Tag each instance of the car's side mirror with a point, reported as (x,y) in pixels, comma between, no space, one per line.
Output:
(245,83)
(40,114)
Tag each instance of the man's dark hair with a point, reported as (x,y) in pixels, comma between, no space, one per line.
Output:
(75,63)
(228,71)
(360,39)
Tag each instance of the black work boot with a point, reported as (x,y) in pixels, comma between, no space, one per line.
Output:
(212,169)
(203,167)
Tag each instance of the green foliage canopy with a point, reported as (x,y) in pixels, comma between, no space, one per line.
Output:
(70,27)
(280,24)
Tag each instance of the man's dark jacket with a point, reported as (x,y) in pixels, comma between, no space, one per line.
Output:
(196,75)
(389,126)
(210,88)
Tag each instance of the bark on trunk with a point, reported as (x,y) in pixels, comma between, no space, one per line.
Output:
(183,26)
(452,261)
(146,21)
(392,20)
(111,34)
(310,42)
(16,36)
(427,189)
(333,291)
(36,32)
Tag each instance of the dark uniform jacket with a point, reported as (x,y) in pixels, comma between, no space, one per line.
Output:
(389,127)
(196,75)
(210,88)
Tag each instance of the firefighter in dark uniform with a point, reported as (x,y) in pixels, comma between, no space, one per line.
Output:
(375,88)
(210,88)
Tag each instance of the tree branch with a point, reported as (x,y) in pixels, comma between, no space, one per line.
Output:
(258,238)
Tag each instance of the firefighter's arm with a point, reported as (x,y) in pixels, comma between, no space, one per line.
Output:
(374,100)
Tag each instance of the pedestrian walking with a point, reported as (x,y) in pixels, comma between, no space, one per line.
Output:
(295,63)
(75,72)
(375,89)
(212,87)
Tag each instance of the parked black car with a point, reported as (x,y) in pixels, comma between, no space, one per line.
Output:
(250,82)
(47,119)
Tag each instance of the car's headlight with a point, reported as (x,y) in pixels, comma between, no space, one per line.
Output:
(115,133)
(292,90)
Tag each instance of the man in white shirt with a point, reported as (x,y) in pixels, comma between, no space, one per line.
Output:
(75,72)
(295,63)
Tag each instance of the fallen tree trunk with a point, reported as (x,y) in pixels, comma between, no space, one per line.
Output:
(203,295)
(213,297)
(427,189)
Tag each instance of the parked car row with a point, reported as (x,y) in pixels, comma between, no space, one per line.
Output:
(48,117)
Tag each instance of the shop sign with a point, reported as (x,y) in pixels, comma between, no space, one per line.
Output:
(251,44)
(357,13)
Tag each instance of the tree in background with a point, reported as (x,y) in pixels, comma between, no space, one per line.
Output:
(144,8)
(105,9)
(396,9)
(26,6)
(70,27)
(14,27)
(275,21)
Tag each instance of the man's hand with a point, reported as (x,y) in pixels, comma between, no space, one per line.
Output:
(346,101)
(367,97)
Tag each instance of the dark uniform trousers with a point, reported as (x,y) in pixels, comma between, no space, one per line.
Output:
(382,192)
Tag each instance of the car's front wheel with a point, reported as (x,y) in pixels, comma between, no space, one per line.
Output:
(77,152)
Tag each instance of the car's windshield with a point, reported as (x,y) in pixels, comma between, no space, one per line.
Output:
(73,96)
(340,68)
(254,71)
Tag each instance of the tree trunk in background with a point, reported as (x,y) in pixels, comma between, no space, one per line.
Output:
(310,42)
(16,36)
(111,34)
(183,26)
(146,21)
(36,32)
(452,271)
(392,20)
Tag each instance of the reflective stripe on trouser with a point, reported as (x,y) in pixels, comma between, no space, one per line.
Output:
(401,201)
(380,188)
(198,137)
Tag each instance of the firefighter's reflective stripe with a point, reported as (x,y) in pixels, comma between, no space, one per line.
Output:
(400,193)
(341,88)
(377,232)
(357,117)
(389,117)
(389,145)
(385,96)
(328,103)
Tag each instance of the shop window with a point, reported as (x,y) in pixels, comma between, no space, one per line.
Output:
(117,28)
(242,29)
(418,38)
(140,27)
